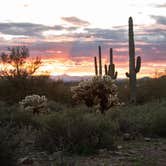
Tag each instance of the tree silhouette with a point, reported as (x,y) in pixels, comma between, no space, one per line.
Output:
(15,64)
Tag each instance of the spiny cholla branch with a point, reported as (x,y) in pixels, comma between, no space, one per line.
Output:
(35,104)
(100,90)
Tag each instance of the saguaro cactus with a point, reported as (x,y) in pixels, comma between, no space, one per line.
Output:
(133,68)
(100,63)
(111,71)
(98,71)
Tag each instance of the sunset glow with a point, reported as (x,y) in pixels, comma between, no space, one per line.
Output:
(66,34)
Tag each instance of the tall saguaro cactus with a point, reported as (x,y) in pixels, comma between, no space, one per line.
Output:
(134,67)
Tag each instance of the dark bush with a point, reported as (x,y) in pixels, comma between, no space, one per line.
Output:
(146,120)
(77,132)
(7,147)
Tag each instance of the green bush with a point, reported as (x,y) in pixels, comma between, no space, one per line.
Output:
(11,116)
(7,147)
(54,106)
(147,120)
(148,90)
(77,132)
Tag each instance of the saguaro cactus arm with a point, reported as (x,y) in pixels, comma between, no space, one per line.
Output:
(100,63)
(106,70)
(96,69)
(115,75)
(138,64)
(127,74)
(111,71)
(111,56)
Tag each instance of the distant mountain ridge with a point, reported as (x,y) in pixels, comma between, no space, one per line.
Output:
(68,78)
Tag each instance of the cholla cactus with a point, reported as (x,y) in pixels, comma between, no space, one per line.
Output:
(35,104)
(99,91)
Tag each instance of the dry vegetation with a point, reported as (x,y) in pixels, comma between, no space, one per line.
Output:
(77,129)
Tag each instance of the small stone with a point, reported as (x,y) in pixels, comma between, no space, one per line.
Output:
(119,147)
(163,149)
(57,155)
(121,158)
(132,152)
(101,151)
(29,142)
(25,161)
(147,139)
(126,136)
(118,153)
(127,154)
(110,152)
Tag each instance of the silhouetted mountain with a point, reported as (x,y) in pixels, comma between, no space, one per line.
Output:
(68,78)
(145,78)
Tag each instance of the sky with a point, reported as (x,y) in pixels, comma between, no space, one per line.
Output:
(66,33)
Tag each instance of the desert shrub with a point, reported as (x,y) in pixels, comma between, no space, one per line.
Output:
(5,114)
(148,90)
(23,119)
(6,156)
(59,91)
(11,116)
(54,106)
(35,104)
(159,122)
(147,120)
(123,90)
(41,85)
(77,132)
(7,147)
(15,143)
(151,90)
(100,91)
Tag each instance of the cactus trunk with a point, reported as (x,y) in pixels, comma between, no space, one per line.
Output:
(111,71)
(111,59)
(133,68)
(96,69)
(132,62)
(100,63)
(106,70)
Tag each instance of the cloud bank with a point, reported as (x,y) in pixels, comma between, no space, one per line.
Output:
(76,45)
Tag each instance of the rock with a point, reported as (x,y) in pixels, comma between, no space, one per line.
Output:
(57,155)
(25,161)
(132,151)
(29,141)
(118,153)
(126,154)
(119,147)
(126,136)
(163,149)
(101,151)
(110,152)
(121,158)
(147,139)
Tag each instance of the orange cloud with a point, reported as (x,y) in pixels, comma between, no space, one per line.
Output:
(85,66)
